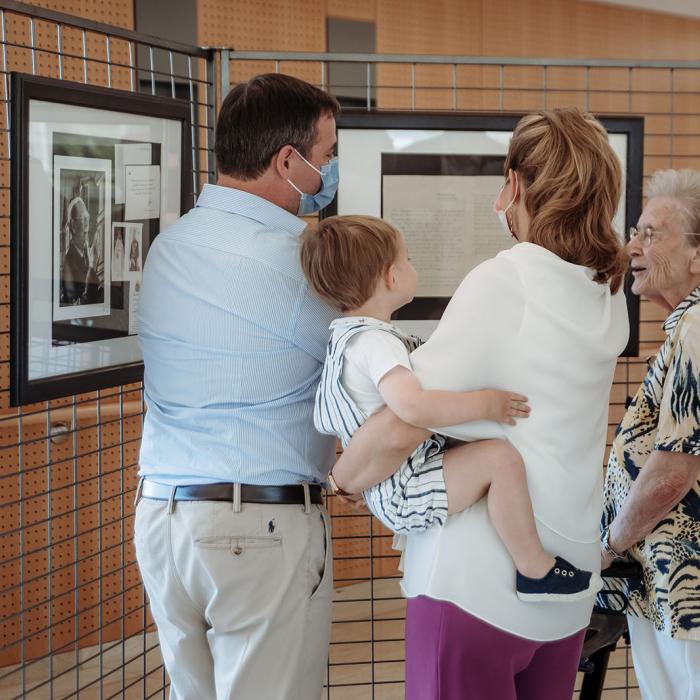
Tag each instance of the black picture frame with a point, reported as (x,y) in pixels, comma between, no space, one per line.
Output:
(130,113)
(391,121)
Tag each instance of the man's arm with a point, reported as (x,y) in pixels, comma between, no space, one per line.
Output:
(376,451)
(661,485)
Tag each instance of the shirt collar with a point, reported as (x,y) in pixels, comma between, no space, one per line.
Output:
(672,321)
(249,205)
(349,321)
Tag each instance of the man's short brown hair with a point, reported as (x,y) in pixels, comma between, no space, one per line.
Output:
(259,117)
(343,257)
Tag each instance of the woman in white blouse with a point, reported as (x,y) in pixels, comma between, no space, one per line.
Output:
(546,318)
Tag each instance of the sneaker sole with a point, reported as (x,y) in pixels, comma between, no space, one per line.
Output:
(596,584)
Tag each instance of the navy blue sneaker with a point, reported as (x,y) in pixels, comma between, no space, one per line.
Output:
(562,584)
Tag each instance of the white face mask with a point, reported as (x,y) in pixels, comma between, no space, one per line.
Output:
(501,213)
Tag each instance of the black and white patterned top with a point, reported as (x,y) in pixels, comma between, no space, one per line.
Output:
(335,411)
(665,415)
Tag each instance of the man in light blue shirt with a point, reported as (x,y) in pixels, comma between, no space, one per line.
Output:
(231,535)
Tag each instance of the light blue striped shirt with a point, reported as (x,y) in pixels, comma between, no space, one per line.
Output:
(233,342)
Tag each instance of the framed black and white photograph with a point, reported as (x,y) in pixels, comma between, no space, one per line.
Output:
(435,176)
(96,175)
(80,215)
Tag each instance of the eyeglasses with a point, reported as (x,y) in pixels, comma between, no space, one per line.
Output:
(648,235)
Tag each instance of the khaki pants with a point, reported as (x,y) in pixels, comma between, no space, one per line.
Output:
(241,600)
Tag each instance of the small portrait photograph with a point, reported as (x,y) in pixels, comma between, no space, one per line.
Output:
(126,250)
(117,252)
(135,250)
(82,270)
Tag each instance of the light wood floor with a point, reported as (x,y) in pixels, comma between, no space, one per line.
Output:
(366,659)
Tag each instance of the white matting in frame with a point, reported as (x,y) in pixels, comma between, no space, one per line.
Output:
(360,169)
(68,173)
(46,359)
(360,152)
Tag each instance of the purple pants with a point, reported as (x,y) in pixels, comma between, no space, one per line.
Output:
(451,655)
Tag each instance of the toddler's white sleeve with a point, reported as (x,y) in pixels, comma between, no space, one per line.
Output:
(376,352)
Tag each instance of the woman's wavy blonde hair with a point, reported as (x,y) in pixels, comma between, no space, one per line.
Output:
(572,181)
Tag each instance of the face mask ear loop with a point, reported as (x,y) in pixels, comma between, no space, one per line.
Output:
(511,204)
(294,186)
(517,190)
(307,162)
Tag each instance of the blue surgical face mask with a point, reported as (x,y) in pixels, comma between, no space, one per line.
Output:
(311,203)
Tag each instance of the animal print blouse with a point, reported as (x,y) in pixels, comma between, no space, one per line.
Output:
(665,415)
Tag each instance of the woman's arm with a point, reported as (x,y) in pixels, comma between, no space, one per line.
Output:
(666,476)
(661,485)
(489,300)
(376,450)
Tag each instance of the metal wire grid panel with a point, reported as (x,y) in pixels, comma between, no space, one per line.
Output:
(73,613)
(74,618)
(367,654)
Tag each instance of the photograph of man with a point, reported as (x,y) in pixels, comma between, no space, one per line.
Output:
(80,272)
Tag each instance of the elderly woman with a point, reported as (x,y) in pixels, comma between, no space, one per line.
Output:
(652,492)
(548,318)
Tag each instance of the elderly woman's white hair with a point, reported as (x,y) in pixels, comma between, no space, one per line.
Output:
(684,187)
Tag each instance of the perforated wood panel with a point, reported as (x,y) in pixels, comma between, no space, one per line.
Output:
(282,25)
(272,25)
(538,28)
(119,13)
(360,10)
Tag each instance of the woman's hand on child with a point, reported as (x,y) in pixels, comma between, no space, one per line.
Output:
(505,406)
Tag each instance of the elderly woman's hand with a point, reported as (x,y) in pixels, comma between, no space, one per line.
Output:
(606,559)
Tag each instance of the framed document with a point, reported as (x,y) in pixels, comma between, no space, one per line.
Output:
(96,174)
(435,177)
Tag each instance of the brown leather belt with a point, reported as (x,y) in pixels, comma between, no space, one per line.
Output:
(283,495)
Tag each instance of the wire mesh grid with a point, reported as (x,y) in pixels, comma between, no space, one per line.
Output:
(367,653)
(75,621)
(74,618)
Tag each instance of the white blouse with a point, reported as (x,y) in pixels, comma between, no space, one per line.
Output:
(525,321)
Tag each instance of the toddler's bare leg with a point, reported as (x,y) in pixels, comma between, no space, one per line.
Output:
(495,468)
